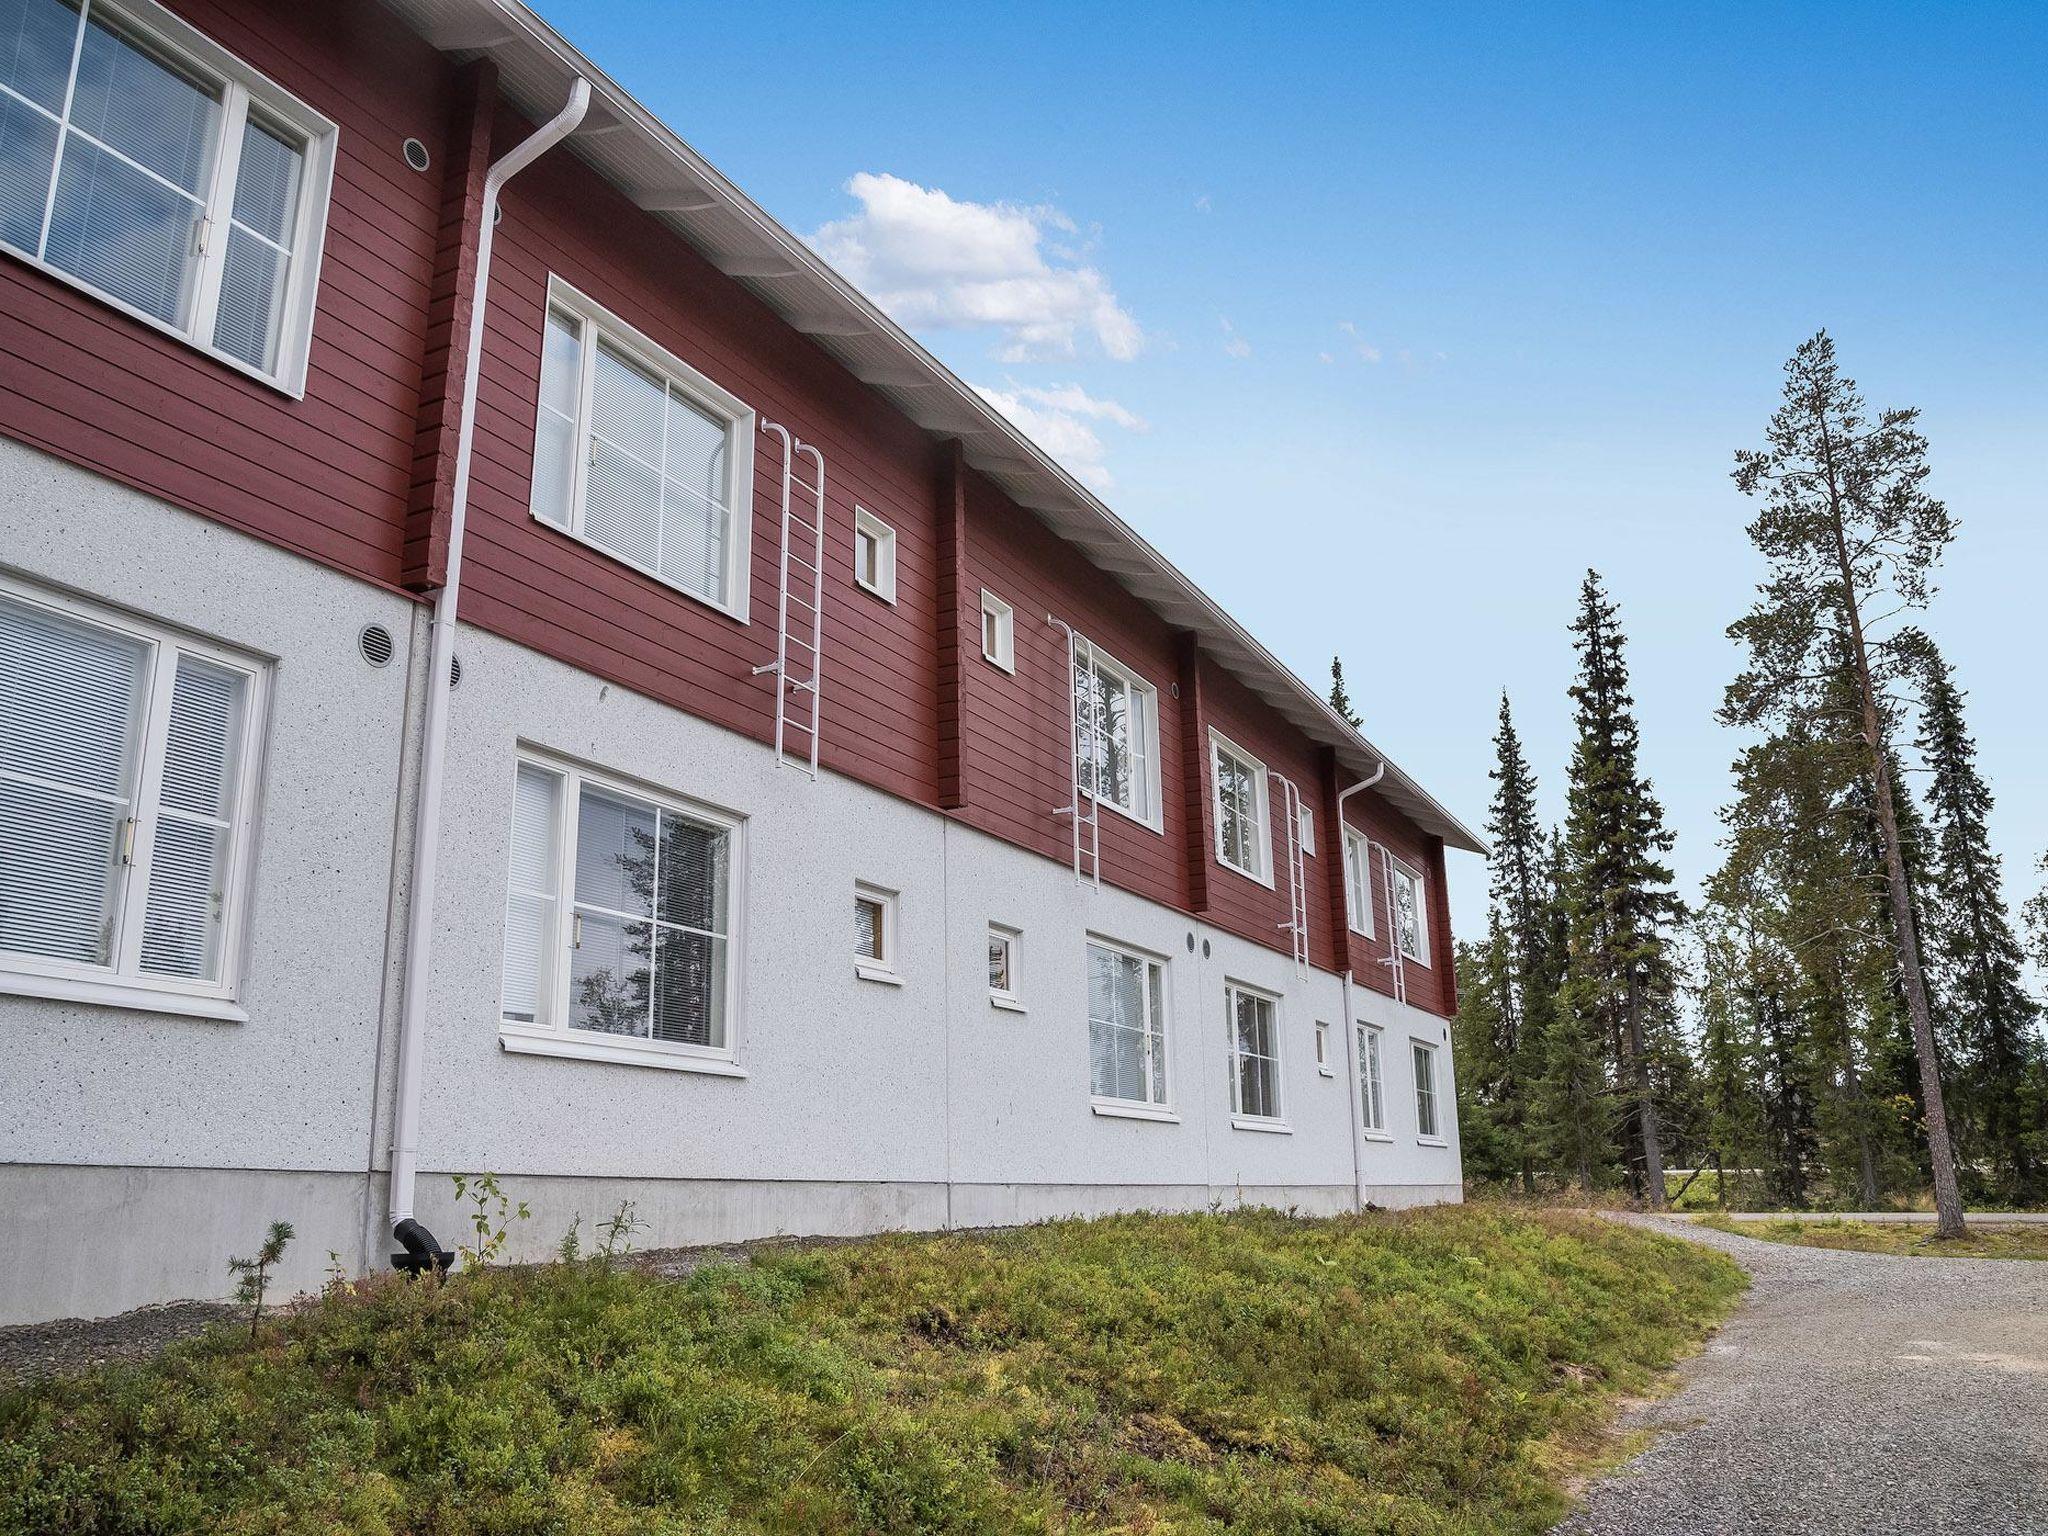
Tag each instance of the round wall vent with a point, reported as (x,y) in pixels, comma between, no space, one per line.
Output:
(416,155)
(375,644)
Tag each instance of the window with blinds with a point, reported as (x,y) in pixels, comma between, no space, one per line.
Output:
(141,162)
(618,914)
(125,767)
(641,456)
(1126,1026)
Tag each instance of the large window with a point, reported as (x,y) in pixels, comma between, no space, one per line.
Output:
(1372,1093)
(1126,1026)
(1116,719)
(1426,1124)
(1358,881)
(637,453)
(1411,921)
(141,162)
(127,758)
(1242,839)
(1254,1053)
(619,918)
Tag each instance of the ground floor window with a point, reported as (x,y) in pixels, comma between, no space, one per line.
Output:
(1372,1099)
(1425,1090)
(1254,1053)
(1126,1025)
(618,916)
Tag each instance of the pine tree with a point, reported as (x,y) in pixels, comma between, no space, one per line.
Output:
(1340,698)
(1991,1018)
(1621,905)
(1522,907)
(1850,532)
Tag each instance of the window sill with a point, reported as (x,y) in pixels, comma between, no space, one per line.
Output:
(1008,669)
(1265,882)
(1431,1141)
(737,612)
(1007,1004)
(1380,1136)
(887,597)
(137,996)
(625,1052)
(1146,822)
(868,971)
(1261,1123)
(1116,1109)
(1324,1072)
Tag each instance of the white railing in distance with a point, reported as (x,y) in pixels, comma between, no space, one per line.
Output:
(799,664)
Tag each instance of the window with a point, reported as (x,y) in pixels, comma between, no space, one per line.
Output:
(1323,1049)
(874,934)
(1126,1026)
(1254,1054)
(1411,926)
(1116,719)
(639,455)
(141,162)
(998,632)
(1307,832)
(1425,1091)
(1241,838)
(127,757)
(874,554)
(618,919)
(1372,1099)
(1358,881)
(1003,988)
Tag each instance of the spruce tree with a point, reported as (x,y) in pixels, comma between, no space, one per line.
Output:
(1522,906)
(1340,697)
(1849,532)
(1489,1125)
(1618,894)
(1991,1018)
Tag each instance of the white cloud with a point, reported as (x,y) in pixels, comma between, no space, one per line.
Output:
(938,262)
(1366,351)
(1234,345)
(1059,418)
(1202,204)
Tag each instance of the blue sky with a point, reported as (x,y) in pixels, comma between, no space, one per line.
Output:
(1385,323)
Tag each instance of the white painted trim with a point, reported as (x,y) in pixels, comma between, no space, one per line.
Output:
(1009,997)
(1152,962)
(1004,657)
(884,584)
(1124,1109)
(1219,745)
(1261,1123)
(880,968)
(1353,837)
(121,994)
(1007,1004)
(239,84)
(1431,1141)
(599,323)
(520,1040)
(867,970)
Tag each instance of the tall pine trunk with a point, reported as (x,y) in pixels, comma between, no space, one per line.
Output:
(1646,1102)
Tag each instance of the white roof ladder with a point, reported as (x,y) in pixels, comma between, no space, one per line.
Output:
(800,613)
(1296,926)
(1085,815)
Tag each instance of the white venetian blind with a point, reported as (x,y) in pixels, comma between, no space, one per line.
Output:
(70,711)
(189,850)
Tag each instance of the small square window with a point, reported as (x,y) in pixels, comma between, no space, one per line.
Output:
(1323,1049)
(874,555)
(874,933)
(1004,986)
(998,632)
(1308,830)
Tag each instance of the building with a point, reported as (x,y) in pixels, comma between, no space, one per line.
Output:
(961,865)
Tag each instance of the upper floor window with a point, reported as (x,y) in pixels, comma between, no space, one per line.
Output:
(1116,719)
(1126,1026)
(141,162)
(618,919)
(1254,1053)
(998,632)
(127,776)
(1307,830)
(1358,881)
(638,454)
(874,554)
(1242,842)
(1411,925)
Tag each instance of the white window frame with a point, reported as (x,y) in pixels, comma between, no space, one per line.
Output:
(1306,829)
(599,323)
(1088,653)
(1427,1082)
(1239,1119)
(123,983)
(867,967)
(1408,872)
(1371,1066)
(1156,976)
(241,88)
(553,1035)
(1221,746)
(1323,1049)
(1358,904)
(1004,653)
(884,536)
(1010,999)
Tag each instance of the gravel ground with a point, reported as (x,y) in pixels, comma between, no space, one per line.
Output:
(76,1343)
(1853,1392)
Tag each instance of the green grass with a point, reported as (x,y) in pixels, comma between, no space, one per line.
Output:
(1912,1239)
(1429,1372)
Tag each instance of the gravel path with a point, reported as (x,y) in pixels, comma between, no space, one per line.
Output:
(77,1343)
(1853,1392)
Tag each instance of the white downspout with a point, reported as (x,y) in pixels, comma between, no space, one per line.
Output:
(1350,1010)
(419,939)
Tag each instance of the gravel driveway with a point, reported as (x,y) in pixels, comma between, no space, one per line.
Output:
(1853,1392)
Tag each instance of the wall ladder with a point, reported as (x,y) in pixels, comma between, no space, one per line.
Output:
(1082,810)
(1296,926)
(800,607)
